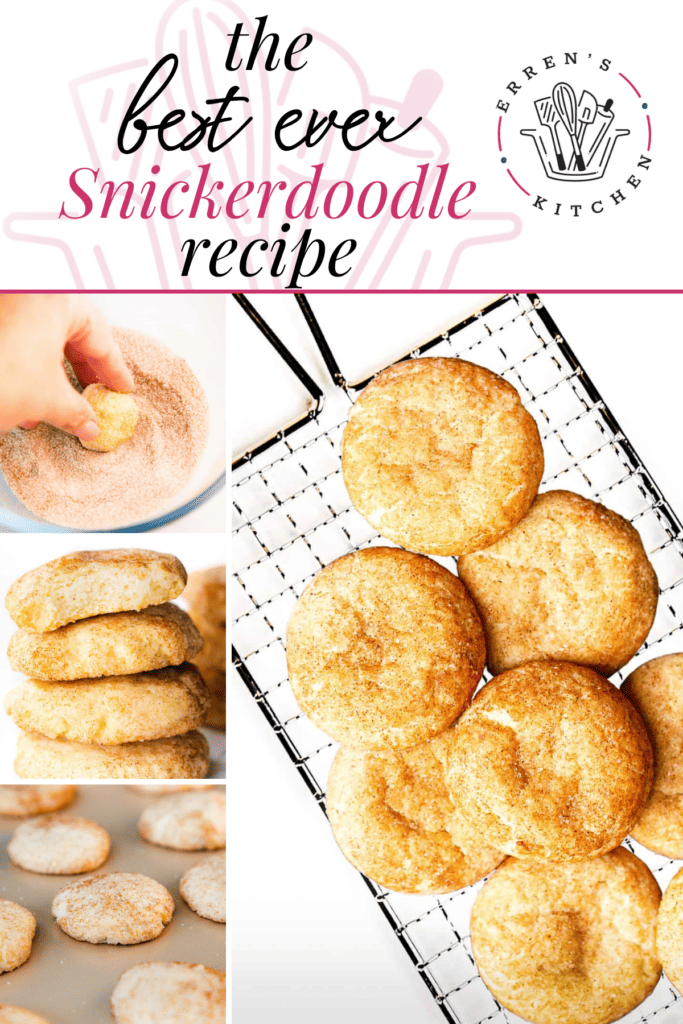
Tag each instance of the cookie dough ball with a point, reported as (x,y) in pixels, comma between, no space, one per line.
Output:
(87,583)
(17,928)
(116,414)
(656,690)
(118,709)
(570,582)
(169,993)
(394,819)
(59,844)
(119,908)
(203,888)
(107,645)
(568,942)
(670,931)
(24,800)
(186,821)
(551,762)
(175,757)
(441,456)
(17,1015)
(384,648)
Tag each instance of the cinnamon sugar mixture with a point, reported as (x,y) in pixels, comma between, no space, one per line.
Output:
(57,478)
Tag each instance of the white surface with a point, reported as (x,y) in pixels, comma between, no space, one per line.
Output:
(195,551)
(309,944)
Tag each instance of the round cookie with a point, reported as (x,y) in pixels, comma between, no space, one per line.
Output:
(395,821)
(116,414)
(87,583)
(177,757)
(169,993)
(17,1015)
(121,643)
(211,663)
(568,942)
(205,595)
(59,844)
(656,690)
(441,456)
(17,928)
(119,908)
(203,888)
(186,821)
(21,801)
(570,582)
(118,709)
(670,931)
(384,649)
(551,762)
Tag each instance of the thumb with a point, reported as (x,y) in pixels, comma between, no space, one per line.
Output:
(70,411)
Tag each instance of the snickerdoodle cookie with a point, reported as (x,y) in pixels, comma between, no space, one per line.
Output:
(569,943)
(119,908)
(656,690)
(670,931)
(203,887)
(17,1015)
(176,757)
(384,648)
(186,821)
(107,645)
(116,414)
(21,801)
(17,928)
(87,583)
(118,709)
(394,819)
(441,456)
(169,993)
(571,581)
(551,762)
(205,595)
(59,844)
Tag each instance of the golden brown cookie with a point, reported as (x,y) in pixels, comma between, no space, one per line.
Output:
(59,844)
(551,762)
(178,757)
(656,690)
(203,888)
(21,801)
(571,582)
(569,943)
(186,821)
(211,663)
(384,649)
(116,414)
(17,928)
(107,645)
(394,819)
(205,594)
(118,709)
(169,993)
(87,583)
(119,908)
(441,456)
(17,1015)
(670,931)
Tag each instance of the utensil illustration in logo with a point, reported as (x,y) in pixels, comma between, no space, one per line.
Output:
(582,135)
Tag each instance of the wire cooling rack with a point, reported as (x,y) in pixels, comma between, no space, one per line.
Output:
(293,516)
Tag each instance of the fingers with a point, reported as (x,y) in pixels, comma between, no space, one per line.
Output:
(71,412)
(92,351)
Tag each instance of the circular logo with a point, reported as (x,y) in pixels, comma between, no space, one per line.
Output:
(574,134)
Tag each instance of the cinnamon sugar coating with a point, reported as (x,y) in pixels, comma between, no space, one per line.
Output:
(670,931)
(119,908)
(169,993)
(177,757)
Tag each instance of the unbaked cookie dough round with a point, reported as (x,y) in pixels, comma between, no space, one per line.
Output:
(175,757)
(119,908)
(21,801)
(116,414)
(441,456)
(203,888)
(656,690)
(59,844)
(570,943)
(186,821)
(384,649)
(169,993)
(551,762)
(394,819)
(670,931)
(570,582)
(17,928)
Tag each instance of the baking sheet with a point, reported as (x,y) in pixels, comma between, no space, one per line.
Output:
(70,982)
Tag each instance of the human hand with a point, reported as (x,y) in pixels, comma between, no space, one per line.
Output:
(36,332)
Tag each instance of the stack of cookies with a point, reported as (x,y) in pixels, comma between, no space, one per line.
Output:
(111,692)
(205,596)
(550,766)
